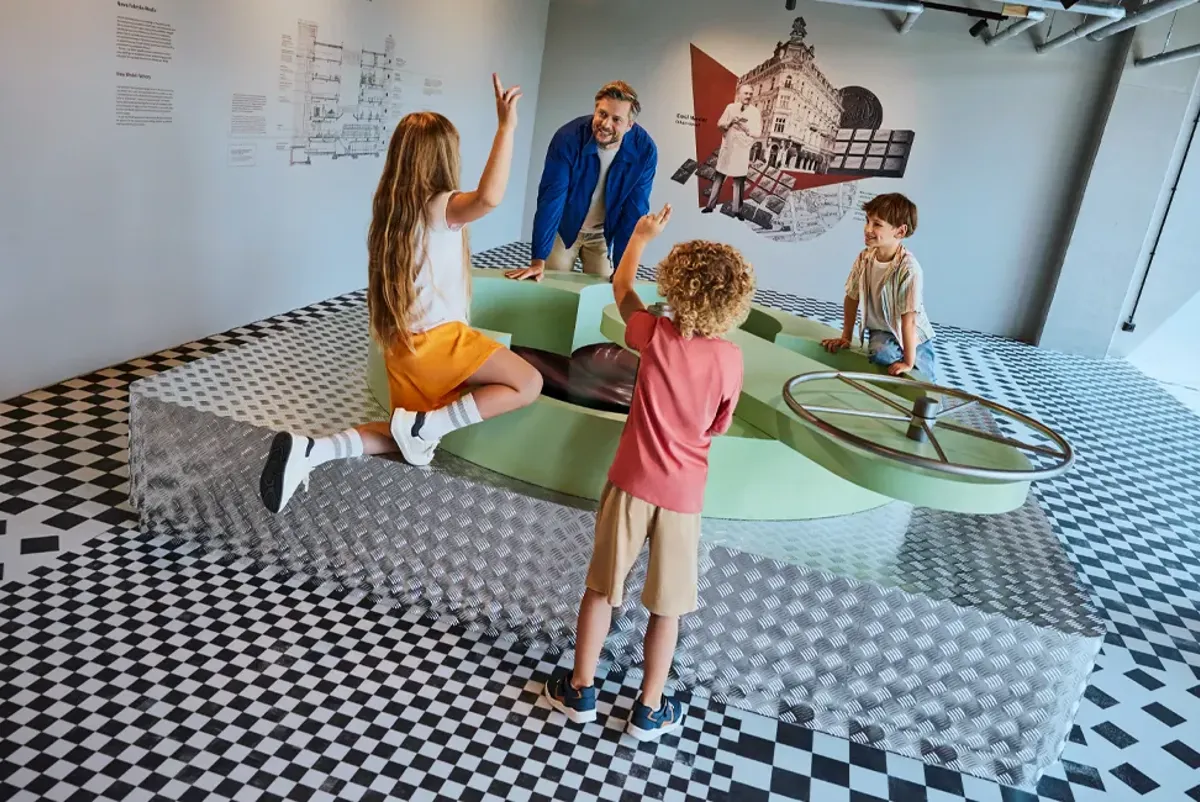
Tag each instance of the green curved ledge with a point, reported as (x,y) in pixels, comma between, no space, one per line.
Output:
(768,367)
(769,466)
(803,336)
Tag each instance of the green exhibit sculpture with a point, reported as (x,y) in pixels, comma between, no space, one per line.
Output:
(894,622)
(814,434)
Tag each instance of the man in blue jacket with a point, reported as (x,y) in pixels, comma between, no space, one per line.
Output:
(595,186)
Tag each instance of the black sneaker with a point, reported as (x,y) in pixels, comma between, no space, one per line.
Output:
(287,467)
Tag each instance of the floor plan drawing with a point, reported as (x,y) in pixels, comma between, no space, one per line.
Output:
(344,101)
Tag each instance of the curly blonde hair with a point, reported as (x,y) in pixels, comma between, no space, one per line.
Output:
(708,285)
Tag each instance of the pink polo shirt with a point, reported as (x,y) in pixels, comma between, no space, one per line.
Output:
(685,394)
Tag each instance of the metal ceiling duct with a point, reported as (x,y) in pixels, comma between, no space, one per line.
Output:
(1033,16)
(1100,20)
(1094,24)
(1028,12)
(1115,11)
(1149,11)
(1178,54)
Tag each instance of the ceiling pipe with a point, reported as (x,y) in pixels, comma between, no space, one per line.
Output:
(1171,55)
(1113,12)
(911,9)
(1073,35)
(1104,16)
(1151,10)
(977,13)
(910,19)
(904,6)
(1033,17)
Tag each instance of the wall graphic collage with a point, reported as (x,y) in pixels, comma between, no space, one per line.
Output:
(786,146)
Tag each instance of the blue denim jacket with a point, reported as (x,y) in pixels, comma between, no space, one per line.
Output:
(569,179)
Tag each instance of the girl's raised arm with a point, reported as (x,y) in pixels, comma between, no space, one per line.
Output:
(467,207)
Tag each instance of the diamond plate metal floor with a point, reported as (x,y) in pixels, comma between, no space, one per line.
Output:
(965,641)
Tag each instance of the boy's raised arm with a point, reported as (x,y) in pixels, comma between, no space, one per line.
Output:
(648,227)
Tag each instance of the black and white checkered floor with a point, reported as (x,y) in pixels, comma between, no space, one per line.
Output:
(137,668)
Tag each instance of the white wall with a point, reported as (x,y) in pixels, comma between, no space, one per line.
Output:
(1126,191)
(120,241)
(1174,271)
(1169,354)
(996,153)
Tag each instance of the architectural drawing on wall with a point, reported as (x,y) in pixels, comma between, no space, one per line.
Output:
(341,98)
(346,101)
(815,141)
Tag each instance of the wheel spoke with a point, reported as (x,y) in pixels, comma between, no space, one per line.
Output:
(907,414)
(1062,451)
(999,438)
(933,439)
(856,413)
(862,388)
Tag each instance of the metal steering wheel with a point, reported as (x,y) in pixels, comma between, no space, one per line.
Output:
(923,419)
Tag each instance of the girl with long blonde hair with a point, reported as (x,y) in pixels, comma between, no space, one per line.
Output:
(442,374)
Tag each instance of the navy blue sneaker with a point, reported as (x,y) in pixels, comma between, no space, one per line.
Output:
(578,705)
(647,725)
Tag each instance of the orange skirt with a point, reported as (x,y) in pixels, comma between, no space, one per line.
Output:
(435,372)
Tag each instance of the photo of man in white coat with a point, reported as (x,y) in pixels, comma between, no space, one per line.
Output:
(741,125)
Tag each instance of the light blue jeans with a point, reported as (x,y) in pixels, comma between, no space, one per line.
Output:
(885,350)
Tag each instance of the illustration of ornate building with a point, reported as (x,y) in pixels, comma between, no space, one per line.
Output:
(801,110)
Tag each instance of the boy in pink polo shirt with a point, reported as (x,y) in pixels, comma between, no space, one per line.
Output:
(688,384)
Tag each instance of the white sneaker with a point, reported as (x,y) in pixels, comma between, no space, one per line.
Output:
(287,467)
(415,451)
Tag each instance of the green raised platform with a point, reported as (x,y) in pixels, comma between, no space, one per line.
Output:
(769,466)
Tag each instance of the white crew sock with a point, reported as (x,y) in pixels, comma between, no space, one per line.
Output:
(441,422)
(342,445)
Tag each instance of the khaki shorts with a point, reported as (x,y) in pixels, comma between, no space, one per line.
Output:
(623,524)
(590,248)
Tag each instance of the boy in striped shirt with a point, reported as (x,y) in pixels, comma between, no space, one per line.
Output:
(887,283)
